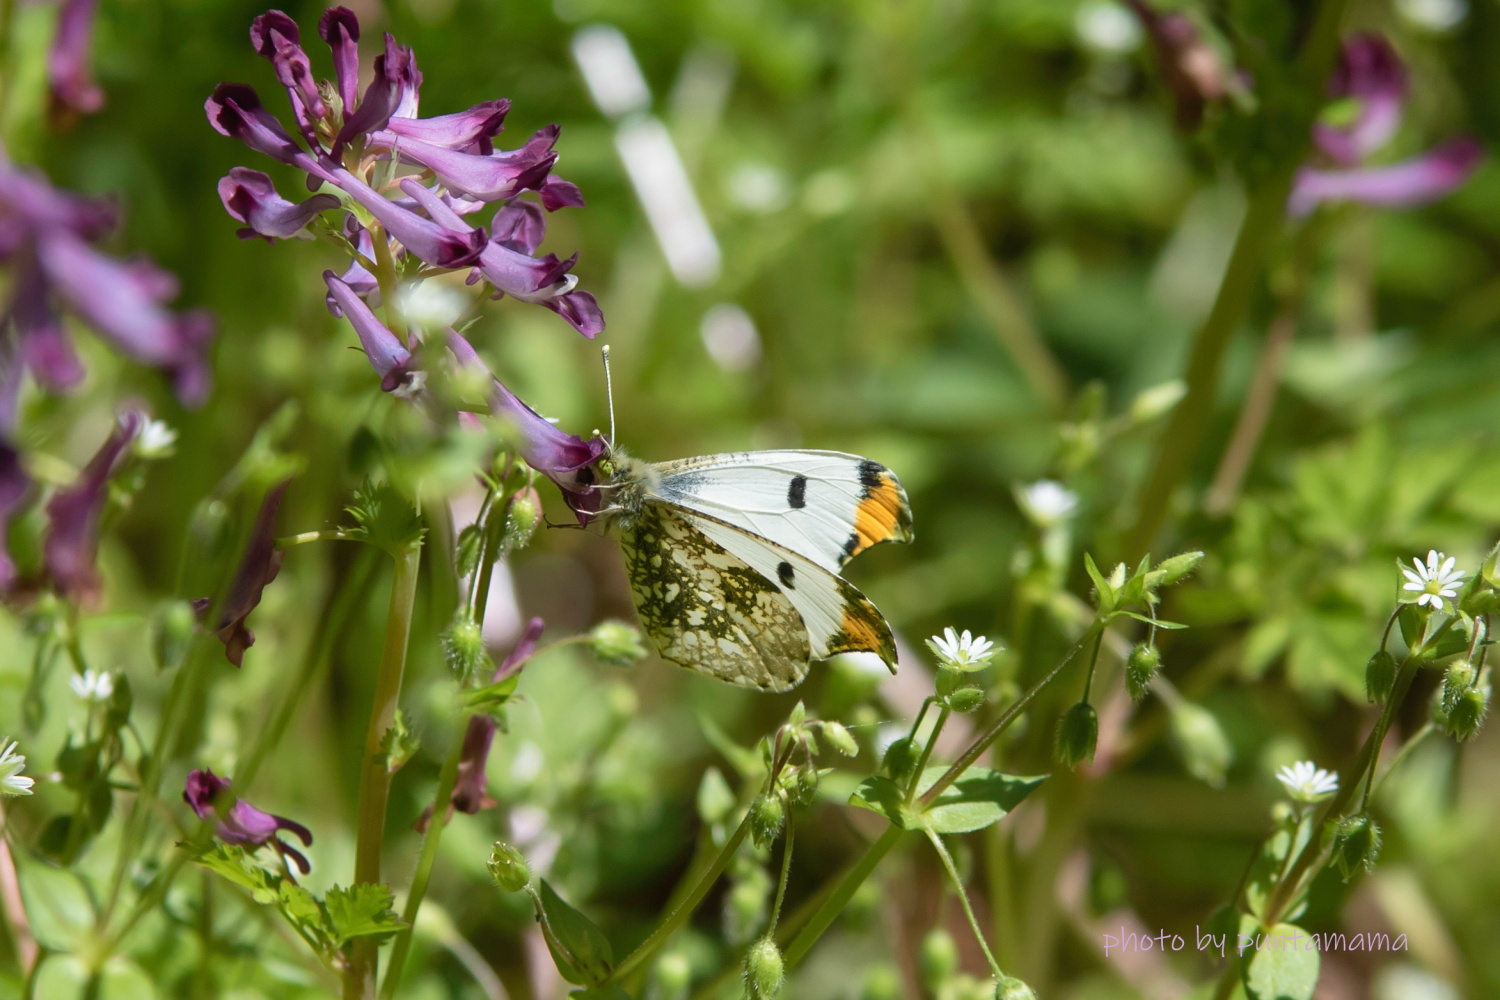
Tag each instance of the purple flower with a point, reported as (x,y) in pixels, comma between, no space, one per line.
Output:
(469,130)
(388,355)
(250,196)
(520,226)
(557,193)
(235,110)
(240,823)
(562,457)
(73,87)
(1189,64)
(364,284)
(72,540)
(276,37)
(340,29)
(486,177)
(13,486)
(432,242)
(261,563)
(470,791)
(1371,74)
(393,91)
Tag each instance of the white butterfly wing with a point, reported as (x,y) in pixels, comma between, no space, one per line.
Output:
(824,505)
(839,619)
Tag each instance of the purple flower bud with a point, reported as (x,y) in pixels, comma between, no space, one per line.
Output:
(560,456)
(73,87)
(261,563)
(239,822)
(1189,64)
(72,539)
(558,193)
(235,110)
(276,37)
(519,226)
(463,130)
(358,277)
(13,486)
(45,346)
(340,29)
(544,281)
(488,178)
(250,196)
(393,91)
(1416,181)
(388,355)
(433,243)
(1371,72)
(123,301)
(29,202)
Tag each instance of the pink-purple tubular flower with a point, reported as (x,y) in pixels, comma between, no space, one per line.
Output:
(261,563)
(68,77)
(1371,74)
(72,540)
(240,823)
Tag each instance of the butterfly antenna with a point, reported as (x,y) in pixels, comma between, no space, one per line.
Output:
(609,392)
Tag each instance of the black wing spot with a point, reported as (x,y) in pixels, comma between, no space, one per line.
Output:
(870,474)
(796,493)
(851,545)
(785,575)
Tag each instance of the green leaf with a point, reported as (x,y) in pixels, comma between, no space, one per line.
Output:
(491,699)
(361,911)
(610,992)
(746,762)
(1152,621)
(578,946)
(57,904)
(235,865)
(62,977)
(979,799)
(1413,624)
(302,909)
(398,744)
(1106,592)
(881,794)
(1281,967)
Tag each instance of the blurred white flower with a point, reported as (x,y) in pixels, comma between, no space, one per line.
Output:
(93,686)
(1436,580)
(1307,782)
(961,652)
(12,781)
(1434,15)
(1105,26)
(155,440)
(432,305)
(1047,502)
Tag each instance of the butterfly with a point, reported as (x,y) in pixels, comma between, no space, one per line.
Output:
(734,559)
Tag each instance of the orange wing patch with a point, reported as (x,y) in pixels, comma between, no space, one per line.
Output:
(862,630)
(883,513)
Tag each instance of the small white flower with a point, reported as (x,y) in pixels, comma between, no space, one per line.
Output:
(961,652)
(93,686)
(1307,782)
(12,781)
(155,439)
(1436,580)
(1047,502)
(1107,27)
(432,305)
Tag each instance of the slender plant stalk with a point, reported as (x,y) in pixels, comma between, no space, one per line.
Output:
(786,872)
(839,898)
(375,777)
(963,899)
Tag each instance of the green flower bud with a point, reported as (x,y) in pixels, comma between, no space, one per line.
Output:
(508,868)
(463,647)
(1380,676)
(1467,713)
(949,680)
(840,739)
(806,785)
(766,815)
(938,959)
(715,798)
(1011,988)
(745,907)
(966,699)
(616,643)
(1458,678)
(1200,740)
(1141,668)
(1356,845)
(522,515)
(900,758)
(172,627)
(764,970)
(1077,735)
(1176,569)
(673,975)
(622,700)
(1156,400)
(1282,813)
(882,982)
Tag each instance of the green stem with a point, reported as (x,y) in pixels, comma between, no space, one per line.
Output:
(786,872)
(375,777)
(679,916)
(839,898)
(963,899)
(330,535)
(989,736)
(916,775)
(385,276)
(447,778)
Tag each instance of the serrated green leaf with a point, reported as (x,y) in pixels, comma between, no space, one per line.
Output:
(301,907)
(361,911)
(578,946)
(1280,966)
(881,794)
(398,744)
(979,799)
(235,865)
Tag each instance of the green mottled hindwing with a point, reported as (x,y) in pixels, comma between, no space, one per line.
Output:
(707,610)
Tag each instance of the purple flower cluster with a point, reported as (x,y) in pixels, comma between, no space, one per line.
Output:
(1371,82)
(355,142)
(240,823)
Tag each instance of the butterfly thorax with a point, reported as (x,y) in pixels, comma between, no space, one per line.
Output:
(627,482)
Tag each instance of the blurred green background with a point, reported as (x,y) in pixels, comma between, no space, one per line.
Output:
(897,188)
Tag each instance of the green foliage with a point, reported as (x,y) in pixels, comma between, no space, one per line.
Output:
(578,946)
(980,798)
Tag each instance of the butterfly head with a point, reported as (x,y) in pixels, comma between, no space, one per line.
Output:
(625,483)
